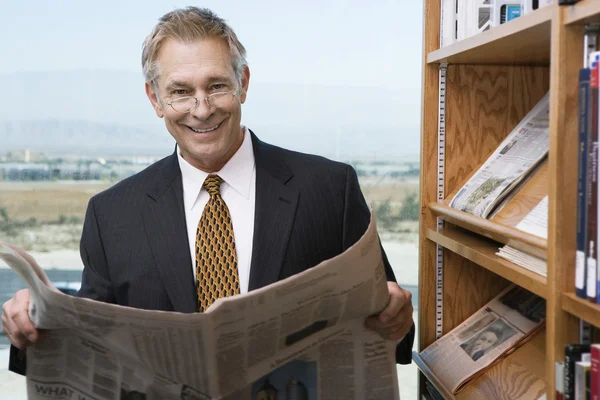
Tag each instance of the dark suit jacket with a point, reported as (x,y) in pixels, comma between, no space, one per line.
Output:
(134,244)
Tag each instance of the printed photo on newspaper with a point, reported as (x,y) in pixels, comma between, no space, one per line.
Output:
(306,340)
(517,157)
(485,338)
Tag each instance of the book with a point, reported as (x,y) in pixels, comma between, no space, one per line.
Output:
(595,372)
(592,182)
(508,12)
(582,369)
(462,19)
(573,354)
(582,225)
(559,380)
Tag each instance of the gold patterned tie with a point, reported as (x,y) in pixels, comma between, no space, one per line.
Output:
(216,260)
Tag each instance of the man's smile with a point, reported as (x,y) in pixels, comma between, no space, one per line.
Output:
(197,130)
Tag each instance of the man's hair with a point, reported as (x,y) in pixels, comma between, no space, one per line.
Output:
(188,25)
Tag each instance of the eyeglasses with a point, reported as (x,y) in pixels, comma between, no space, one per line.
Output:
(188,104)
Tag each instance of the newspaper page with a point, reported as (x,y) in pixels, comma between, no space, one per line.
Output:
(303,336)
(486,337)
(535,223)
(516,157)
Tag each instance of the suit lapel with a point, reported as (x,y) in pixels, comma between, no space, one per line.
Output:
(165,227)
(274,215)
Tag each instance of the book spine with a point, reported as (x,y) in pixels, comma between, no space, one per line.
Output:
(581,373)
(595,372)
(580,254)
(592,164)
(572,355)
(559,380)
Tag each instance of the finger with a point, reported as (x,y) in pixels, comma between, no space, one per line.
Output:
(18,312)
(398,299)
(386,330)
(12,332)
(404,314)
(401,332)
(25,326)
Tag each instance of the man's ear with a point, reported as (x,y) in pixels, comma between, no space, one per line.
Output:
(153,97)
(245,83)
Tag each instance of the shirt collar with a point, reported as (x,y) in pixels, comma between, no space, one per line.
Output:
(237,173)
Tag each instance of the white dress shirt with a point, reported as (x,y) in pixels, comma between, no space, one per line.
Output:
(238,190)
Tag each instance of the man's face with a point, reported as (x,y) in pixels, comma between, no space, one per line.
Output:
(485,341)
(207,137)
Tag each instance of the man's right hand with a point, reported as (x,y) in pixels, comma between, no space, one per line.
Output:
(16,323)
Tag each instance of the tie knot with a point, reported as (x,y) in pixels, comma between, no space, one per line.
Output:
(212,184)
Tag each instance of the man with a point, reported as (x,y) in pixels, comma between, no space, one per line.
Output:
(226,213)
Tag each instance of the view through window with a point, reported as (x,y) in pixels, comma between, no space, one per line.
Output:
(335,78)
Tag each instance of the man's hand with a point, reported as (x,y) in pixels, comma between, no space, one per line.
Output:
(16,323)
(395,321)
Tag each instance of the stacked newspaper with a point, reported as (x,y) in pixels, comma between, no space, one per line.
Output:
(509,166)
(493,332)
(303,336)
(535,223)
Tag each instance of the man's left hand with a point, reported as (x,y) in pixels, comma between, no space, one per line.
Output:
(395,320)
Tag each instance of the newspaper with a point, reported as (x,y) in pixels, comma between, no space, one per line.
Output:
(490,334)
(512,162)
(303,336)
(535,223)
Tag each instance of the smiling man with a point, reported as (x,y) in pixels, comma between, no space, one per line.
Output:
(225,213)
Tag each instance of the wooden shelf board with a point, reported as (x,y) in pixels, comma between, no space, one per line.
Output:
(581,308)
(584,12)
(522,41)
(521,375)
(482,251)
(504,234)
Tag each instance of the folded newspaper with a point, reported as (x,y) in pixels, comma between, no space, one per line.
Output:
(485,338)
(303,337)
(509,166)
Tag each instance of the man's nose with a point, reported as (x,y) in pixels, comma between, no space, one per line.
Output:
(203,111)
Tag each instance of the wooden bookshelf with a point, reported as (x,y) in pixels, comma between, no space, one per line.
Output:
(493,80)
(521,41)
(585,12)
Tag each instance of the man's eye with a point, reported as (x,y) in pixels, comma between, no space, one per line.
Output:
(180,92)
(218,86)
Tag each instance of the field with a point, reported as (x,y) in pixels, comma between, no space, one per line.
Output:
(46,216)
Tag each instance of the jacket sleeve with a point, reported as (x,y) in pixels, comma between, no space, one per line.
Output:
(95,280)
(356,221)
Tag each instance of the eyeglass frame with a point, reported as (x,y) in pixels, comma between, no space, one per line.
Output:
(234,93)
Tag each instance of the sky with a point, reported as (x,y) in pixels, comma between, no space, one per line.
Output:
(308,49)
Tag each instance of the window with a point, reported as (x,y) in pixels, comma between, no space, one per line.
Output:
(336,78)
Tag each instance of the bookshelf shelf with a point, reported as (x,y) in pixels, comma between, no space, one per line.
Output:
(493,230)
(482,251)
(523,41)
(521,375)
(585,12)
(581,308)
